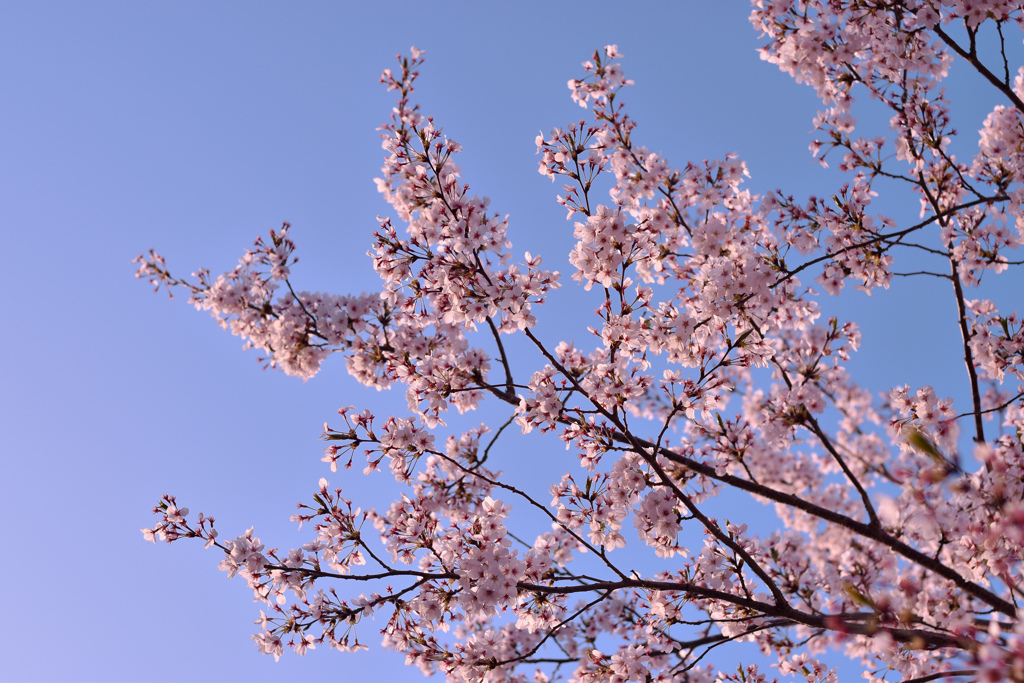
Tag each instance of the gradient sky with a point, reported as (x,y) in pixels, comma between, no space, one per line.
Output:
(195,127)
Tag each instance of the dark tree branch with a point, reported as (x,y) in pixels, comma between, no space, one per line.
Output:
(965,334)
(972,58)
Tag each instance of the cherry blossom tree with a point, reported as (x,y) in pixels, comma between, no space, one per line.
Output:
(708,372)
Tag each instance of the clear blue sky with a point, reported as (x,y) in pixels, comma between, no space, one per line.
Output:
(195,127)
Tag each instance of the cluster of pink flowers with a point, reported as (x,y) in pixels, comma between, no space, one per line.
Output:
(710,371)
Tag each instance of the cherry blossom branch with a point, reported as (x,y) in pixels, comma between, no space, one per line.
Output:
(965,335)
(717,641)
(811,422)
(494,439)
(551,632)
(869,531)
(860,528)
(1002,52)
(718,637)
(828,622)
(938,215)
(972,58)
(649,454)
(529,499)
(390,573)
(999,408)
(509,383)
(942,674)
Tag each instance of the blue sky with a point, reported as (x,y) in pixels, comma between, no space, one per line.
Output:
(195,127)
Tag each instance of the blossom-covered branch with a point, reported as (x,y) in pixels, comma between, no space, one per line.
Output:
(707,372)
